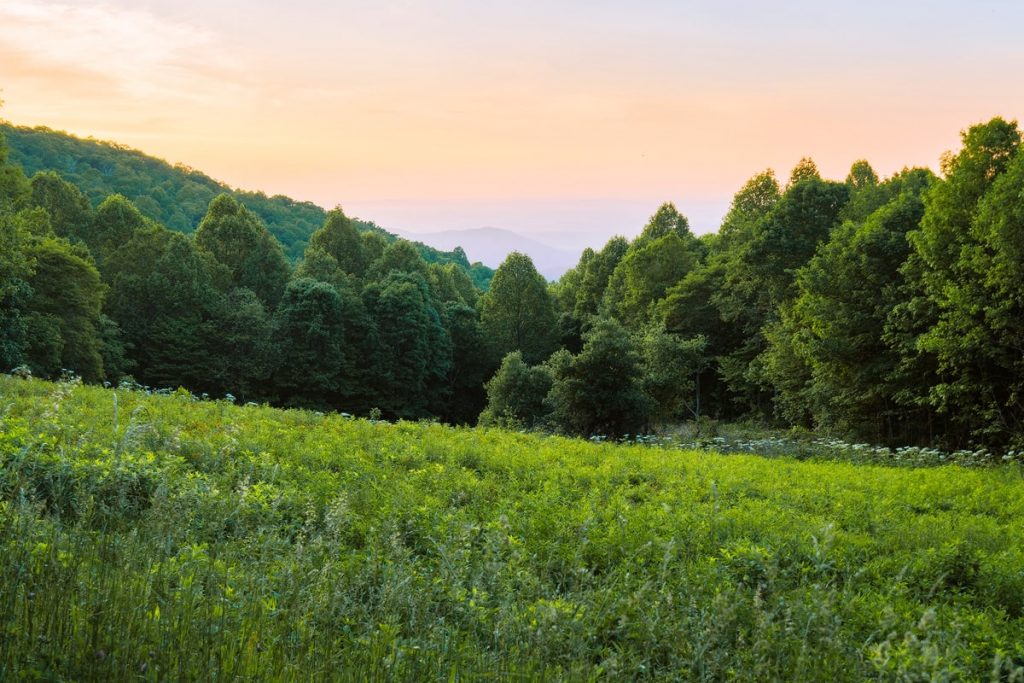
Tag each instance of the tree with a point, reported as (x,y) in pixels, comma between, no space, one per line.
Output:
(755,199)
(596,272)
(241,340)
(114,223)
(309,335)
(518,312)
(63,312)
(399,257)
(16,269)
(237,238)
(472,364)
(69,209)
(318,265)
(805,169)
(861,176)
(666,221)
(14,187)
(162,297)
(340,238)
(414,350)
(515,394)
(950,304)
(599,391)
(463,284)
(671,368)
(645,274)
(760,277)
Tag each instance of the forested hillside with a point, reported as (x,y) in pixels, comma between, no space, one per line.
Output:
(177,196)
(888,310)
(362,323)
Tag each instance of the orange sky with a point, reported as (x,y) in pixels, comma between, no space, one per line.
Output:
(450,105)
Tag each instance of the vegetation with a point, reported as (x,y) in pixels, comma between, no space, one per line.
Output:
(867,309)
(177,197)
(160,537)
(878,310)
(361,323)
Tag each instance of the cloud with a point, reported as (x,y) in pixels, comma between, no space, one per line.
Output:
(113,52)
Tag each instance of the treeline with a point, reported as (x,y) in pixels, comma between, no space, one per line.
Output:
(177,197)
(885,310)
(360,324)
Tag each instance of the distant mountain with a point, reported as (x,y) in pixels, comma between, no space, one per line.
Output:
(177,196)
(491,245)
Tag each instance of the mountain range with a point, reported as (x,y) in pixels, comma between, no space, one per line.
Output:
(491,245)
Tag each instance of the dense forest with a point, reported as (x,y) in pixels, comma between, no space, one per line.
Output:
(177,196)
(887,310)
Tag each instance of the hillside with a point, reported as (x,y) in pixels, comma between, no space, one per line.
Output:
(157,537)
(178,196)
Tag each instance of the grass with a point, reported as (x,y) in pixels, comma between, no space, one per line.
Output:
(164,538)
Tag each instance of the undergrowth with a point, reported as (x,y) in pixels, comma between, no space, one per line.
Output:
(165,538)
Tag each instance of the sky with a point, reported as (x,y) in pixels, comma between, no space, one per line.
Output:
(565,120)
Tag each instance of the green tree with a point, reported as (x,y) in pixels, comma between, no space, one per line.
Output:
(805,169)
(861,176)
(241,339)
(340,238)
(641,279)
(309,336)
(318,265)
(515,394)
(600,390)
(935,276)
(414,349)
(63,312)
(399,257)
(962,265)
(671,368)
(666,221)
(518,312)
(162,297)
(114,223)
(472,363)
(596,271)
(14,187)
(237,238)
(828,358)
(760,277)
(69,209)
(16,269)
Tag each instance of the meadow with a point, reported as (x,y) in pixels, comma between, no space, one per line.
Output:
(159,537)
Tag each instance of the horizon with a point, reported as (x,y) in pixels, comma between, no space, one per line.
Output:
(567,124)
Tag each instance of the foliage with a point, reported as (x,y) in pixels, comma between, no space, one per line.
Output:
(160,537)
(518,312)
(515,394)
(237,239)
(672,367)
(599,390)
(176,197)
(413,348)
(63,312)
(963,262)
(827,356)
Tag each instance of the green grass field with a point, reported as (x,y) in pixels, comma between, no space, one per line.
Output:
(160,538)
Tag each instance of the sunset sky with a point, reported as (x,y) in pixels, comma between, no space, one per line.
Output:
(571,120)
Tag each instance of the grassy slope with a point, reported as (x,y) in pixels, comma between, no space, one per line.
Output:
(156,537)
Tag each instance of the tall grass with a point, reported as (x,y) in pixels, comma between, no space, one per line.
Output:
(164,538)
